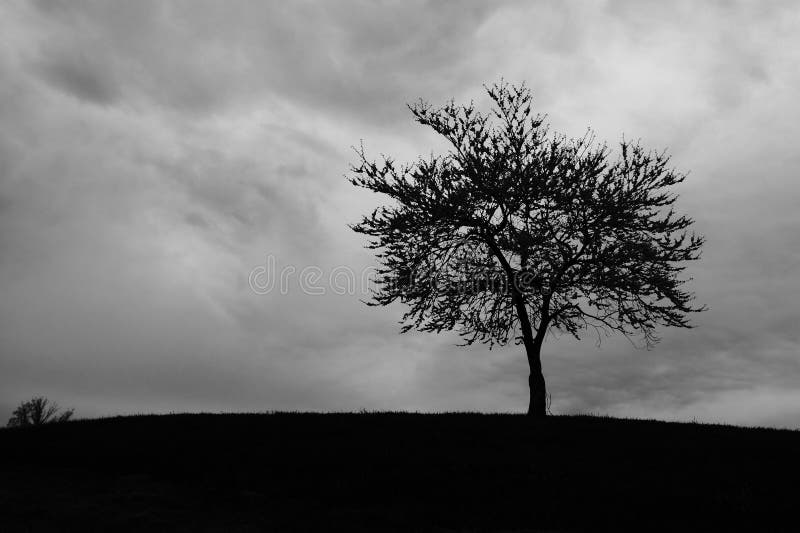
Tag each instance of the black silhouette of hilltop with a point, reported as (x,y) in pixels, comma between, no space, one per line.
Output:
(395,472)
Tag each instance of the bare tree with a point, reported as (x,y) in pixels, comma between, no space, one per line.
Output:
(38,411)
(516,231)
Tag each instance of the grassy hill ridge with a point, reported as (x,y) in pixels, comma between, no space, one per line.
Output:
(395,471)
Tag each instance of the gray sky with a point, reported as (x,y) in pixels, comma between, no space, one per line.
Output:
(152,154)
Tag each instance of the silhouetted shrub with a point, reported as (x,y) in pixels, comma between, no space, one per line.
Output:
(38,411)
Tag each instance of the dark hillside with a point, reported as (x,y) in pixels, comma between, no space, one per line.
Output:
(395,471)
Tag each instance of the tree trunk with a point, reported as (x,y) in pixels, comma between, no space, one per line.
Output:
(537,407)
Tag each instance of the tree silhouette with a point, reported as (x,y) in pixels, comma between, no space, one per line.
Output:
(516,231)
(38,411)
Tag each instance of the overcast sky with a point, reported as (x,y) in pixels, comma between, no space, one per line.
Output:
(152,154)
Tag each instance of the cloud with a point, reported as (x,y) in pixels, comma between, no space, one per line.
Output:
(79,77)
(356,58)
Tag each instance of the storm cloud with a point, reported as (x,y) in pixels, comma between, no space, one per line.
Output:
(152,154)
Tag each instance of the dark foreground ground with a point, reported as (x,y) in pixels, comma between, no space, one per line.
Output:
(396,471)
